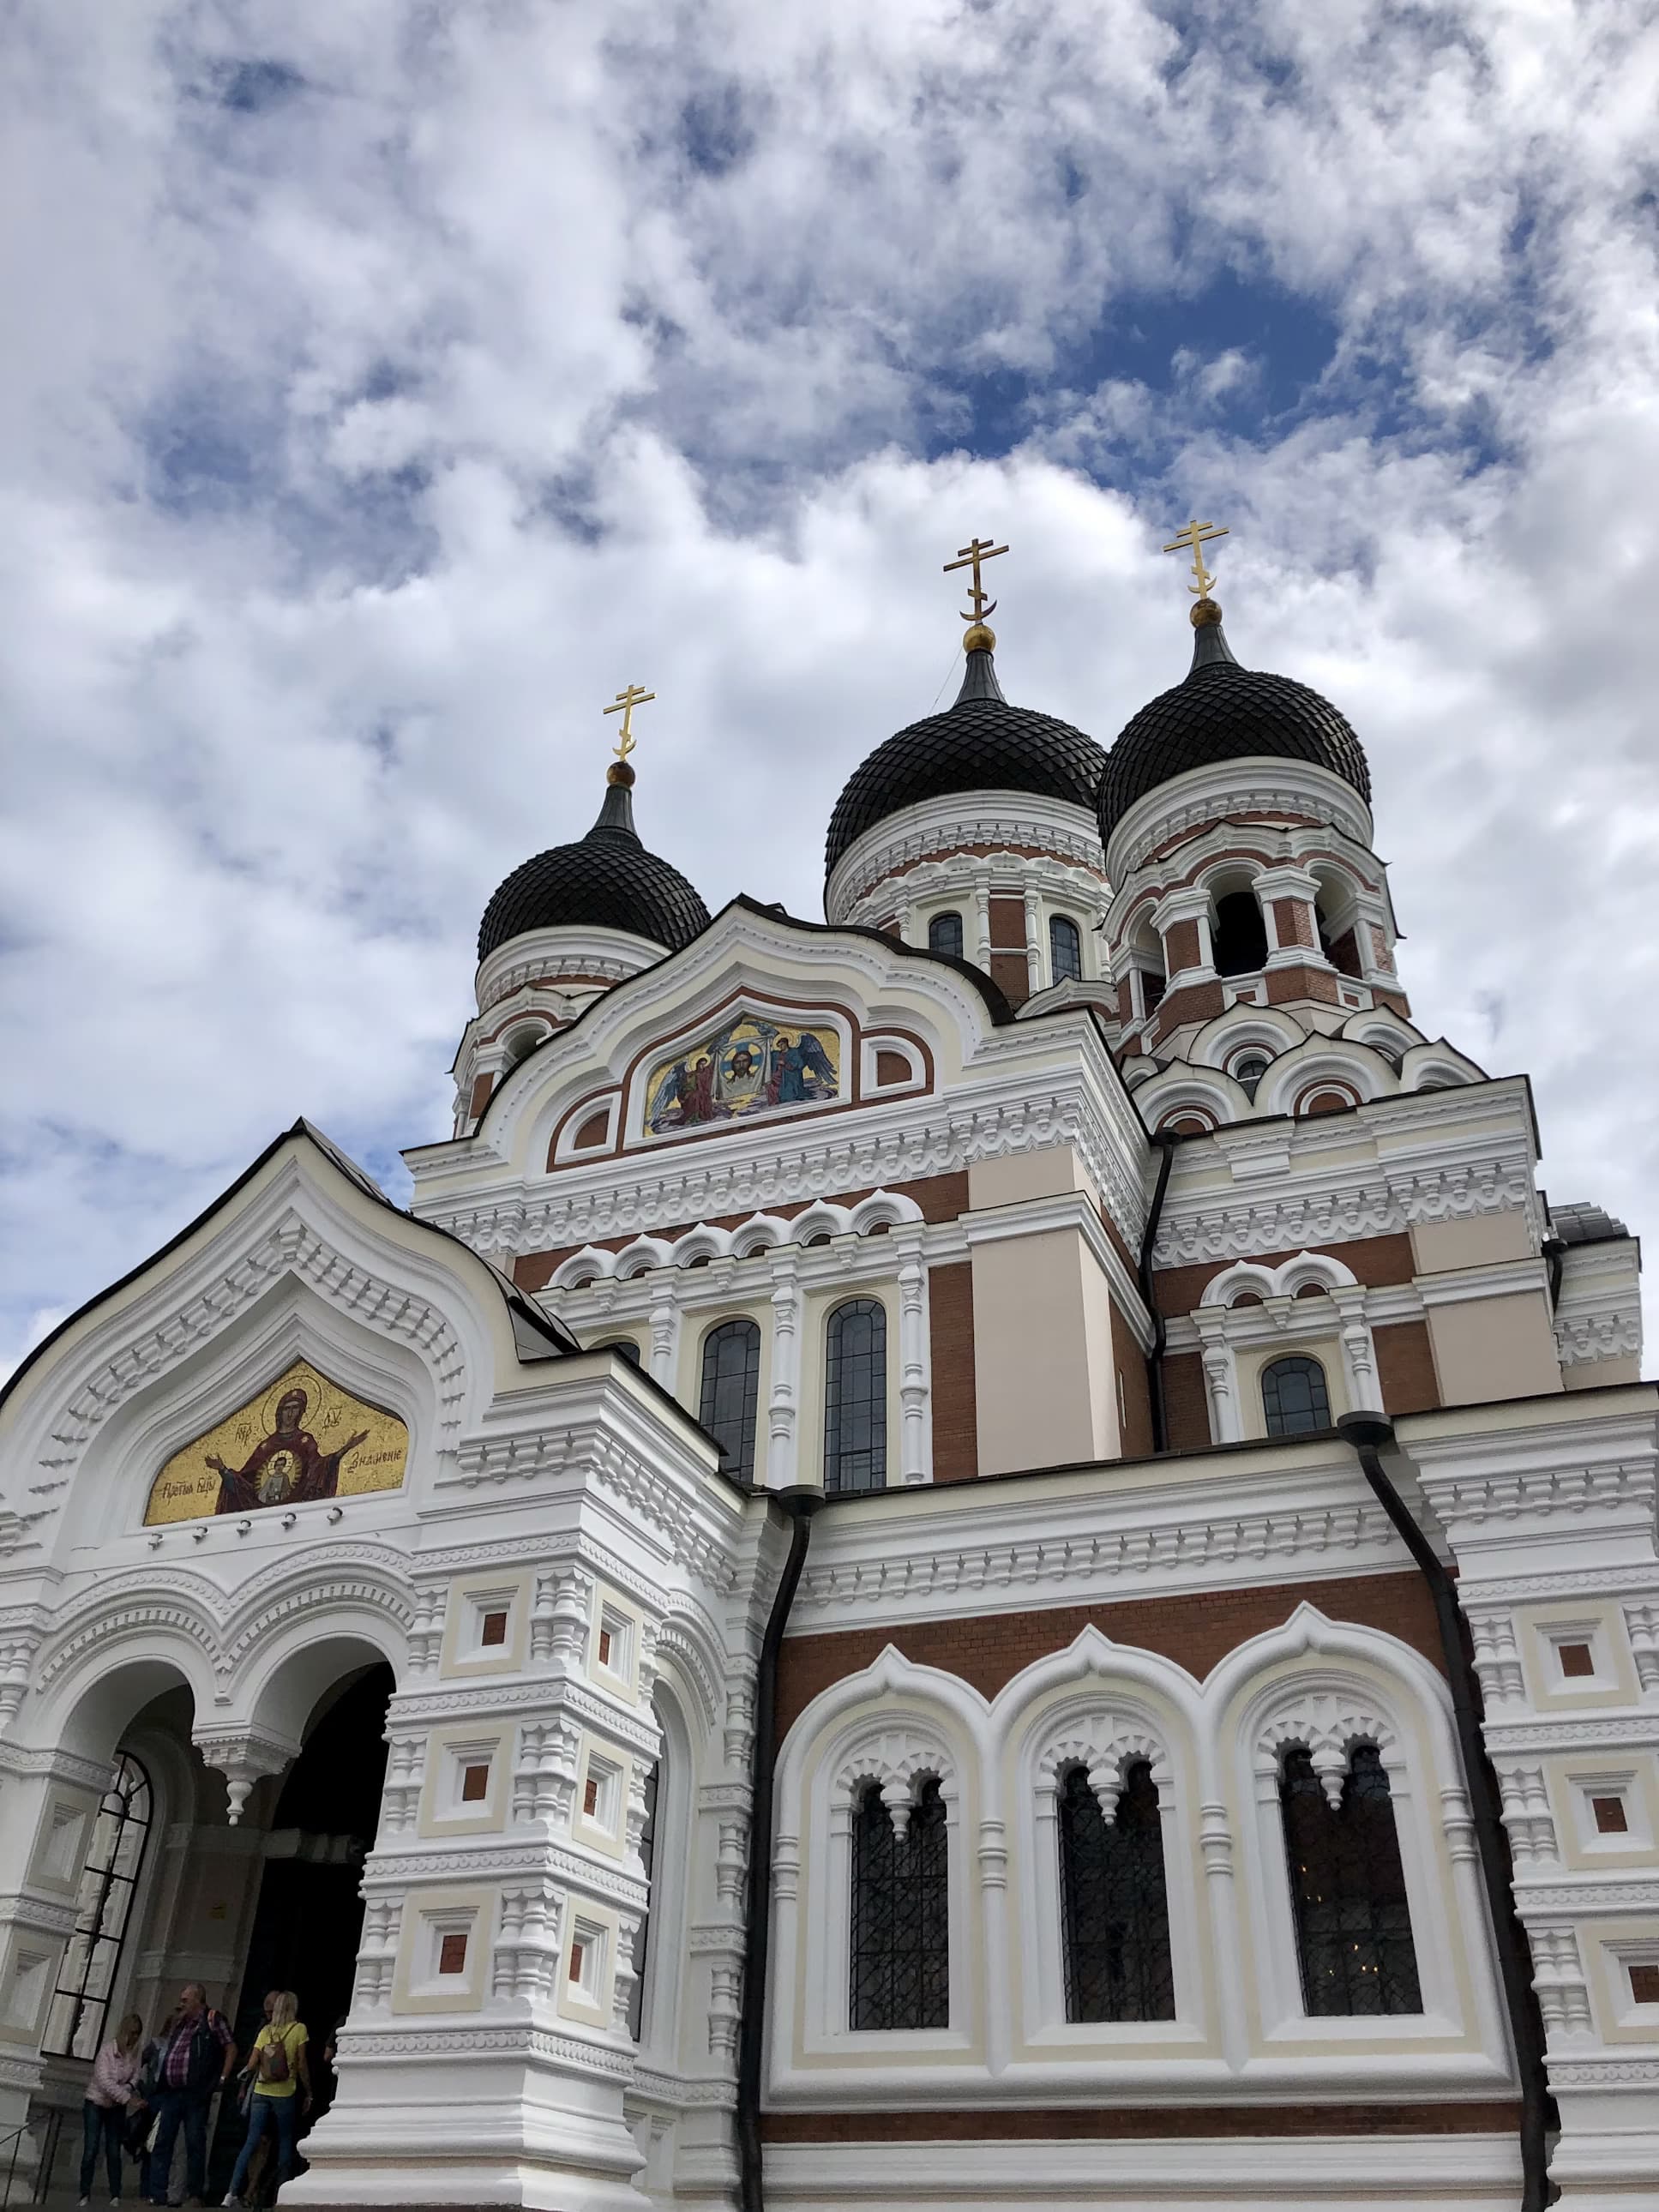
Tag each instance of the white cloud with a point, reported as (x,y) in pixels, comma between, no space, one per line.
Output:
(388,394)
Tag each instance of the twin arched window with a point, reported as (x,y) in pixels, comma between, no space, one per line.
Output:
(731,1391)
(945,935)
(855,1397)
(1294,1397)
(1064,950)
(1353,1922)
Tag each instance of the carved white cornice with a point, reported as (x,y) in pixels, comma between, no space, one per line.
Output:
(1195,798)
(936,827)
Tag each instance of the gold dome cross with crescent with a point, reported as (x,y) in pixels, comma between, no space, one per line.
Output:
(1196,535)
(623,704)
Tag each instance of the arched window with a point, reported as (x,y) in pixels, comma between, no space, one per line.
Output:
(625,1345)
(945,935)
(731,1386)
(1294,1397)
(855,1398)
(901,1946)
(1112,1894)
(1240,935)
(1064,950)
(1354,1924)
(103,1906)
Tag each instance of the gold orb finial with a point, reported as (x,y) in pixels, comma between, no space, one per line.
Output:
(979,637)
(1205,613)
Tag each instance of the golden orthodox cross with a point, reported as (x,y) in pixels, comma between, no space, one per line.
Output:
(971,557)
(624,705)
(1196,535)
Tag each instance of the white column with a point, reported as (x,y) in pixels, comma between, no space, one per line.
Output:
(982,917)
(1358,1349)
(916,1428)
(1034,945)
(1220,1377)
(783,1409)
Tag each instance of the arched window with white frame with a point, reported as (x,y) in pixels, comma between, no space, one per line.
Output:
(1353,1925)
(1295,1400)
(1064,950)
(945,935)
(729,1400)
(855,1397)
(899,1938)
(1113,1899)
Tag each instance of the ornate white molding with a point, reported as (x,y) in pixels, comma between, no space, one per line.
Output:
(899,1757)
(936,828)
(1376,1204)
(1327,1724)
(293,1248)
(1103,1742)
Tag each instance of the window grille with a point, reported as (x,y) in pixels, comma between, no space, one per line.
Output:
(1294,1397)
(1115,1909)
(1064,950)
(855,1398)
(731,1388)
(103,1906)
(1354,1924)
(945,935)
(901,1948)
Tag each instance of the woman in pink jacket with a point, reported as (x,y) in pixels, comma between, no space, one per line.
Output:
(114,2078)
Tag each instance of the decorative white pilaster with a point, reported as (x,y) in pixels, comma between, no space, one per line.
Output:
(1034,947)
(1358,1349)
(982,917)
(783,1407)
(916,1428)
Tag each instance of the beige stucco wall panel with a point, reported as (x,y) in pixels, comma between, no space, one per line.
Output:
(1439,1247)
(1497,1347)
(1033,1383)
(1050,1173)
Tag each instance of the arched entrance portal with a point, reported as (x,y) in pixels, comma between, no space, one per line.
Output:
(308,1916)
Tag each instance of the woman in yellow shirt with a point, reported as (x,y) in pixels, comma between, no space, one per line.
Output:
(282,2088)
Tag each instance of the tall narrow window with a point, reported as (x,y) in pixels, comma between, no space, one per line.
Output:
(1116,1911)
(103,1906)
(945,935)
(1353,1923)
(731,1386)
(901,1948)
(855,1398)
(1064,950)
(1294,1397)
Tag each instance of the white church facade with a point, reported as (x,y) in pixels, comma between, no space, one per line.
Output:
(993,1552)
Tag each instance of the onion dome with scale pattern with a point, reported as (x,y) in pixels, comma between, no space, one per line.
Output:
(605,880)
(1221,712)
(980,743)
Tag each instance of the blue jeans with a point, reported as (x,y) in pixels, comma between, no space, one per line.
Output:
(173,2108)
(105,2124)
(282,2113)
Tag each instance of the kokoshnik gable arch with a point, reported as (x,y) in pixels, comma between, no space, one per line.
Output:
(1074,1808)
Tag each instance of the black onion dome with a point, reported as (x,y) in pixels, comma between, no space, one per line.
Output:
(607,880)
(1222,712)
(982,744)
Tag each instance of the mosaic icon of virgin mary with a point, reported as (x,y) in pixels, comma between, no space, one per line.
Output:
(284,1468)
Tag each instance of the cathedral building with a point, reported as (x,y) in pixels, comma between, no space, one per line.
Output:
(991,1552)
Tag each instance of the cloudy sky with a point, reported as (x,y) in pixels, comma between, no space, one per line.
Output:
(385,386)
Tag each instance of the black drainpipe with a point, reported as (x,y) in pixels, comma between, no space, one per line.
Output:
(799,1505)
(1368,1433)
(1165,1143)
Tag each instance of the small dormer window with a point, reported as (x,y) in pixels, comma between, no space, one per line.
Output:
(1249,1069)
(1064,950)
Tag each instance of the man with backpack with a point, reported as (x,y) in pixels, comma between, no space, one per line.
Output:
(194,2053)
(280,2089)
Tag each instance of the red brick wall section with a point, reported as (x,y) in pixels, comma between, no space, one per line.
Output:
(481,1086)
(1284,984)
(1008,923)
(1011,974)
(1139,2123)
(1293,921)
(956,1412)
(1193,1002)
(1405,1367)
(1180,946)
(1198,1630)
(1374,1260)
(1186,1402)
(1135,1393)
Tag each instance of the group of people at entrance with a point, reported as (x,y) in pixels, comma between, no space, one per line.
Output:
(141,2094)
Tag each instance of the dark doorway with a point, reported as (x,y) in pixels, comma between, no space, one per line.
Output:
(308,1921)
